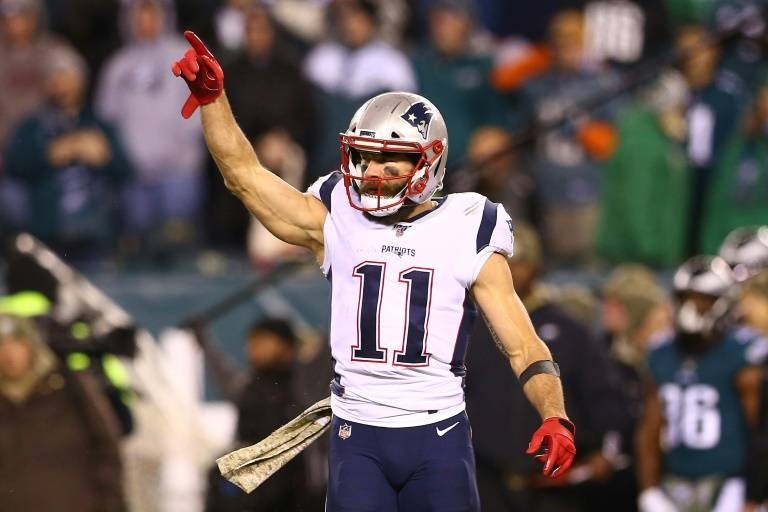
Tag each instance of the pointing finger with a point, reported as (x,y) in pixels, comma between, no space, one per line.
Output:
(197,44)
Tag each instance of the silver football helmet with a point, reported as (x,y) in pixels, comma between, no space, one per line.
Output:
(705,275)
(397,122)
(746,251)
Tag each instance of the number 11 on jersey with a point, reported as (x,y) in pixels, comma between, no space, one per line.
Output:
(418,281)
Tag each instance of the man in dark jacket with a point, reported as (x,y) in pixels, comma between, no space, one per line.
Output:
(507,480)
(58,435)
(265,398)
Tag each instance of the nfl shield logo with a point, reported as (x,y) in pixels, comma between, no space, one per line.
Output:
(345,431)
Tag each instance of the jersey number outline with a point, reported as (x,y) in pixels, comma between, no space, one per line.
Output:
(693,418)
(413,351)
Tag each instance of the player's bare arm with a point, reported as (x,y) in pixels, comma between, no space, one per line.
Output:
(290,215)
(514,334)
(648,454)
(749,383)
(647,439)
(511,328)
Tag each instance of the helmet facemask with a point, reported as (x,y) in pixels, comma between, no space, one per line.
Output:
(373,194)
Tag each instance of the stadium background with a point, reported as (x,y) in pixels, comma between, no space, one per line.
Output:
(560,88)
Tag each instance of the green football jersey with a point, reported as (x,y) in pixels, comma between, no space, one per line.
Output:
(705,429)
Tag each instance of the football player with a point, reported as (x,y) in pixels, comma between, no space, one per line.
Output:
(746,251)
(703,395)
(407,271)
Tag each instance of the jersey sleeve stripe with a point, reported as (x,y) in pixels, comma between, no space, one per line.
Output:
(463,335)
(487,224)
(327,187)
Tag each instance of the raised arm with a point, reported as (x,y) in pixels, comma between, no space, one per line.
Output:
(290,215)
(511,328)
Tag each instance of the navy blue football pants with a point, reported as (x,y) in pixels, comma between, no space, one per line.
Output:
(412,469)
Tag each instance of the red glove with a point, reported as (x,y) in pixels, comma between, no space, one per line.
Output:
(202,73)
(553,445)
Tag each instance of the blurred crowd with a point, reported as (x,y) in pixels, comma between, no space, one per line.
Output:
(667,381)
(621,130)
(629,136)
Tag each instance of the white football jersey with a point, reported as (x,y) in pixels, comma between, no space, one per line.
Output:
(401,312)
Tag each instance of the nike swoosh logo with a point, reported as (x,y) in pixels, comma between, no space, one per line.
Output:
(441,433)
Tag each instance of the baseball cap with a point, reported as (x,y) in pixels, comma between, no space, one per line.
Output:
(627,277)
(527,248)
(636,287)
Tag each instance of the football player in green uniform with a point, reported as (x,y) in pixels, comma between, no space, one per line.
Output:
(703,396)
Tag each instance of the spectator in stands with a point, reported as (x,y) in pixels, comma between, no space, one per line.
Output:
(507,480)
(265,397)
(579,301)
(566,158)
(646,183)
(494,169)
(452,69)
(358,64)
(635,310)
(134,92)
(34,292)
(279,153)
(715,103)
(753,304)
(635,313)
(71,164)
(737,194)
(25,45)
(347,69)
(626,32)
(266,67)
(229,25)
(58,437)
(90,25)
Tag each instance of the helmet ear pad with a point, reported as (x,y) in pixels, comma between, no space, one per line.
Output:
(422,188)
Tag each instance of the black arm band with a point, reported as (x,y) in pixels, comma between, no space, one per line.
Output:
(545,366)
